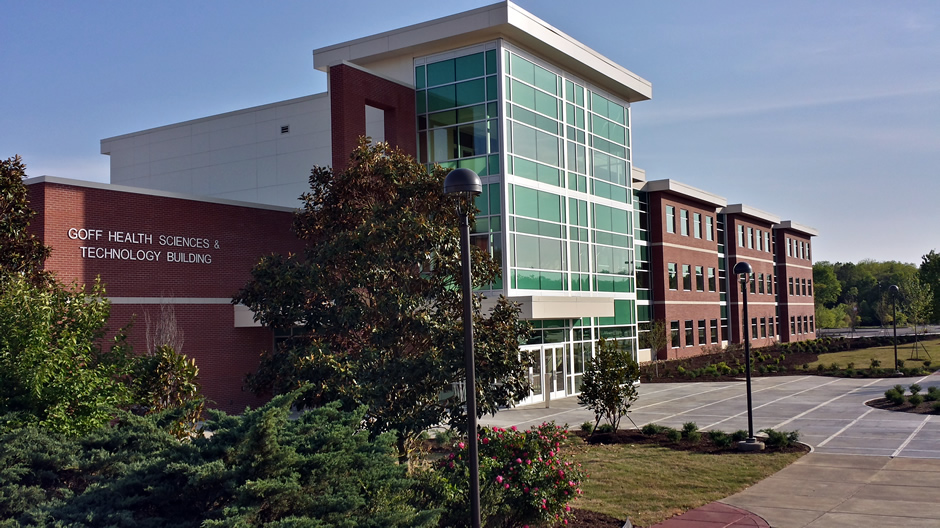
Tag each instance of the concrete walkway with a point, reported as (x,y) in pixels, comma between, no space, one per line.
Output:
(836,491)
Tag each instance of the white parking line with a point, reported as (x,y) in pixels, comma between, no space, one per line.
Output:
(804,413)
(736,396)
(840,431)
(909,438)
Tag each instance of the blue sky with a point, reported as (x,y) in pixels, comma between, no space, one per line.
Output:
(826,113)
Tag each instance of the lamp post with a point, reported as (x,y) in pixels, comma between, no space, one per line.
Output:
(465,184)
(894,321)
(743,270)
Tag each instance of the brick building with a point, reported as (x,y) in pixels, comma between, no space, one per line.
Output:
(588,246)
(154,249)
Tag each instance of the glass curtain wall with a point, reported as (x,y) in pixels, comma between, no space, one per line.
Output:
(554,157)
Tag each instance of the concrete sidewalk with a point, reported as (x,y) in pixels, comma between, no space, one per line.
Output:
(836,491)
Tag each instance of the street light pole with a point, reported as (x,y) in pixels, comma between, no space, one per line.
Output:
(466,184)
(894,321)
(743,270)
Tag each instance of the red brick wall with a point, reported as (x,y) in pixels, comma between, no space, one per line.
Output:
(760,305)
(799,269)
(681,305)
(230,240)
(351,90)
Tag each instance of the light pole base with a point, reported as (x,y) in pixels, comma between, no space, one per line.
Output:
(751,444)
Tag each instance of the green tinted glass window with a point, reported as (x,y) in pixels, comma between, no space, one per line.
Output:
(471,113)
(522,69)
(421,103)
(495,198)
(550,207)
(440,119)
(523,94)
(491,88)
(442,97)
(546,104)
(491,62)
(469,66)
(471,92)
(441,72)
(546,80)
(419,78)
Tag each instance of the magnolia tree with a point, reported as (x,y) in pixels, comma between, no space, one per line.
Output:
(374,302)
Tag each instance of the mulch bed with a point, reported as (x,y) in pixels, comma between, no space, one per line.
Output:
(924,408)
(668,371)
(704,445)
(591,519)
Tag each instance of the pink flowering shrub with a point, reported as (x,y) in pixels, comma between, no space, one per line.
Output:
(525,480)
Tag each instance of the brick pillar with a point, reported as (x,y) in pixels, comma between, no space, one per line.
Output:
(351,90)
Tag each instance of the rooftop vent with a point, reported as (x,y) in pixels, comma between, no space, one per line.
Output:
(285,129)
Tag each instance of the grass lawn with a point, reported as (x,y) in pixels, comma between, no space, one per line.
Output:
(649,484)
(885,354)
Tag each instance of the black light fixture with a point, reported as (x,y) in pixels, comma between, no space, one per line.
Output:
(894,321)
(744,271)
(464,184)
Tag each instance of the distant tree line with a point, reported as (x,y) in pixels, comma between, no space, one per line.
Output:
(859,294)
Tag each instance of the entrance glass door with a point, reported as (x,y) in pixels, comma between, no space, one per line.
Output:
(547,376)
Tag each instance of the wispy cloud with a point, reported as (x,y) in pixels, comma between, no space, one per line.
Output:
(707,109)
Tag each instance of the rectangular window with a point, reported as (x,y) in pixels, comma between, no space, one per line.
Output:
(767,241)
(673,276)
(740,236)
(770,323)
(714,331)
(808,256)
(689,334)
(699,279)
(770,284)
(789,247)
(760,282)
(750,238)
(763,327)
(686,277)
(670,219)
(702,339)
(684,222)
(812,324)
(753,328)
(799,325)
(697,225)
(793,325)
(711,279)
(674,333)
(760,241)
(753,284)
(709,228)
(809,283)
(804,287)
(790,282)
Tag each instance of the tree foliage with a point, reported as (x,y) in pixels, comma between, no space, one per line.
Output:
(374,301)
(260,469)
(930,275)
(609,387)
(21,253)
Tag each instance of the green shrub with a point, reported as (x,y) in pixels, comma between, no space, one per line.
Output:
(875,363)
(720,439)
(894,396)
(933,394)
(820,368)
(673,435)
(446,437)
(587,426)
(805,366)
(608,388)
(900,388)
(605,428)
(691,433)
(850,366)
(781,438)
(849,372)
(915,388)
(936,406)
(525,478)
(915,399)
(651,429)
(900,364)
(260,468)
(927,363)
(739,436)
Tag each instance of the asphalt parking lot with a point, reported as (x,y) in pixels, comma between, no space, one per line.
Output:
(830,413)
